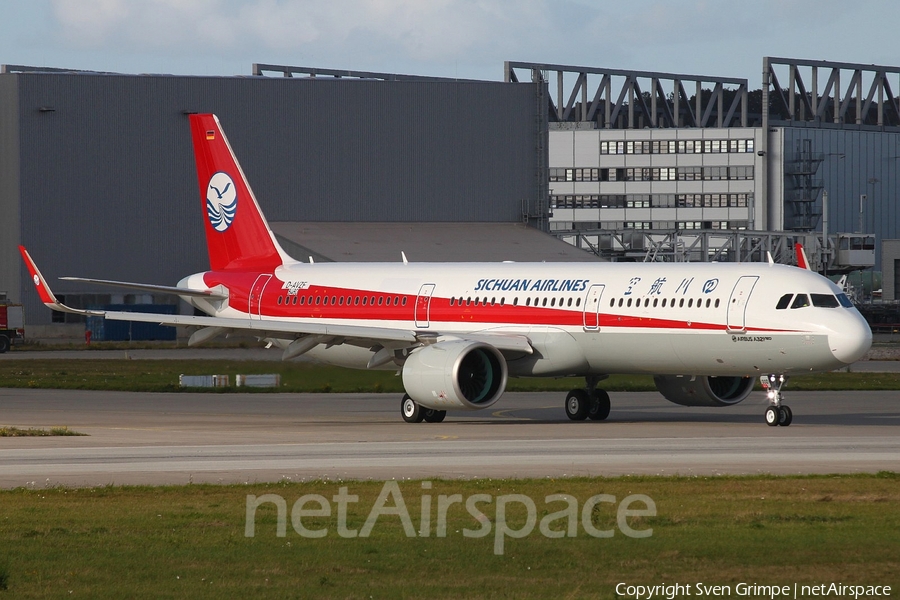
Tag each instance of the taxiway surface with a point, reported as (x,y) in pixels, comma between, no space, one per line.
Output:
(143,438)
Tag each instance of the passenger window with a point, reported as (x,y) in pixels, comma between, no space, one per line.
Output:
(845,301)
(717,303)
(404,301)
(801,301)
(824,300)
(612,302)
(690,302)
(578,302)
(784,302)
(516,301)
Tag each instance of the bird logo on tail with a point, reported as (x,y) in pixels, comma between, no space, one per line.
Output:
(221,201)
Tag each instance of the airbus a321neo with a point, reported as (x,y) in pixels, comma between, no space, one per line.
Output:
(457,331)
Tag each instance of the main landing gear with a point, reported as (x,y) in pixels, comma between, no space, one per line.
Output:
(777,413)
(588,403)
(413,413)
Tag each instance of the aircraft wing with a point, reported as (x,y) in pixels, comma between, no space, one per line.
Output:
(268,328)
(350,333)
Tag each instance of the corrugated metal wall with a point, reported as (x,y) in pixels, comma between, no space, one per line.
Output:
(855,163)
(10,281)
(109,190)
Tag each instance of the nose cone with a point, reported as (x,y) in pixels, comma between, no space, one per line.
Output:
(851,338)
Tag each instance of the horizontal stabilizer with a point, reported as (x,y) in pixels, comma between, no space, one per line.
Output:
(146,287)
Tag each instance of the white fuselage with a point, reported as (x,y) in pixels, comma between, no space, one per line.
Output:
(581,319)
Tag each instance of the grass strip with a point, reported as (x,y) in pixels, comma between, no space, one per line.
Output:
(32,432)
(162,376)
(115,542)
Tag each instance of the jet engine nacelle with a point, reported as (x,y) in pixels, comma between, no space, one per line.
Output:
(455,375)
(688,390)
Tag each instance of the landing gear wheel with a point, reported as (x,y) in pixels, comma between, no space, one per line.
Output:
(411,411)
(432,415)
(785,416)
(578,404)
(772,416)
(599,409)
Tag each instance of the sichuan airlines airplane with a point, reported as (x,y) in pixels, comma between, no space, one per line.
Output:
(456,332)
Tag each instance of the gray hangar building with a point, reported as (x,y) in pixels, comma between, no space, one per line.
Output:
(97,175)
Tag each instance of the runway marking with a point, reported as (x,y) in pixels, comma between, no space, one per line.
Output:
(501,413)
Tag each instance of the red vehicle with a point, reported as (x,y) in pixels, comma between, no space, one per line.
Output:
(12,325)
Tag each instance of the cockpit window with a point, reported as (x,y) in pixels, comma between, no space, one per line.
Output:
(784,301)
(824,300)
(801,301)
(845,301)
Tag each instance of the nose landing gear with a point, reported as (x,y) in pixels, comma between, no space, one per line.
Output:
(777,413)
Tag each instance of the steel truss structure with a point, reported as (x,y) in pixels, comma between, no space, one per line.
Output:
(797,104)
(649,101)
(260,69)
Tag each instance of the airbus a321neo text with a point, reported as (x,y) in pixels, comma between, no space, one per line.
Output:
(457,331)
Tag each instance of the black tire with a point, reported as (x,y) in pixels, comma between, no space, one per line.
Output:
(771,416)
(4,344)
(410,409)
(600,404)
(432,415)
(577,405)
(785,416)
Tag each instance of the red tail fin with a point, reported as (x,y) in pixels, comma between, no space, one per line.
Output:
(237,235)
(802,262)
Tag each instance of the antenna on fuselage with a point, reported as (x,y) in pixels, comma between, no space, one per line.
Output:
(771,260)
(403,256)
